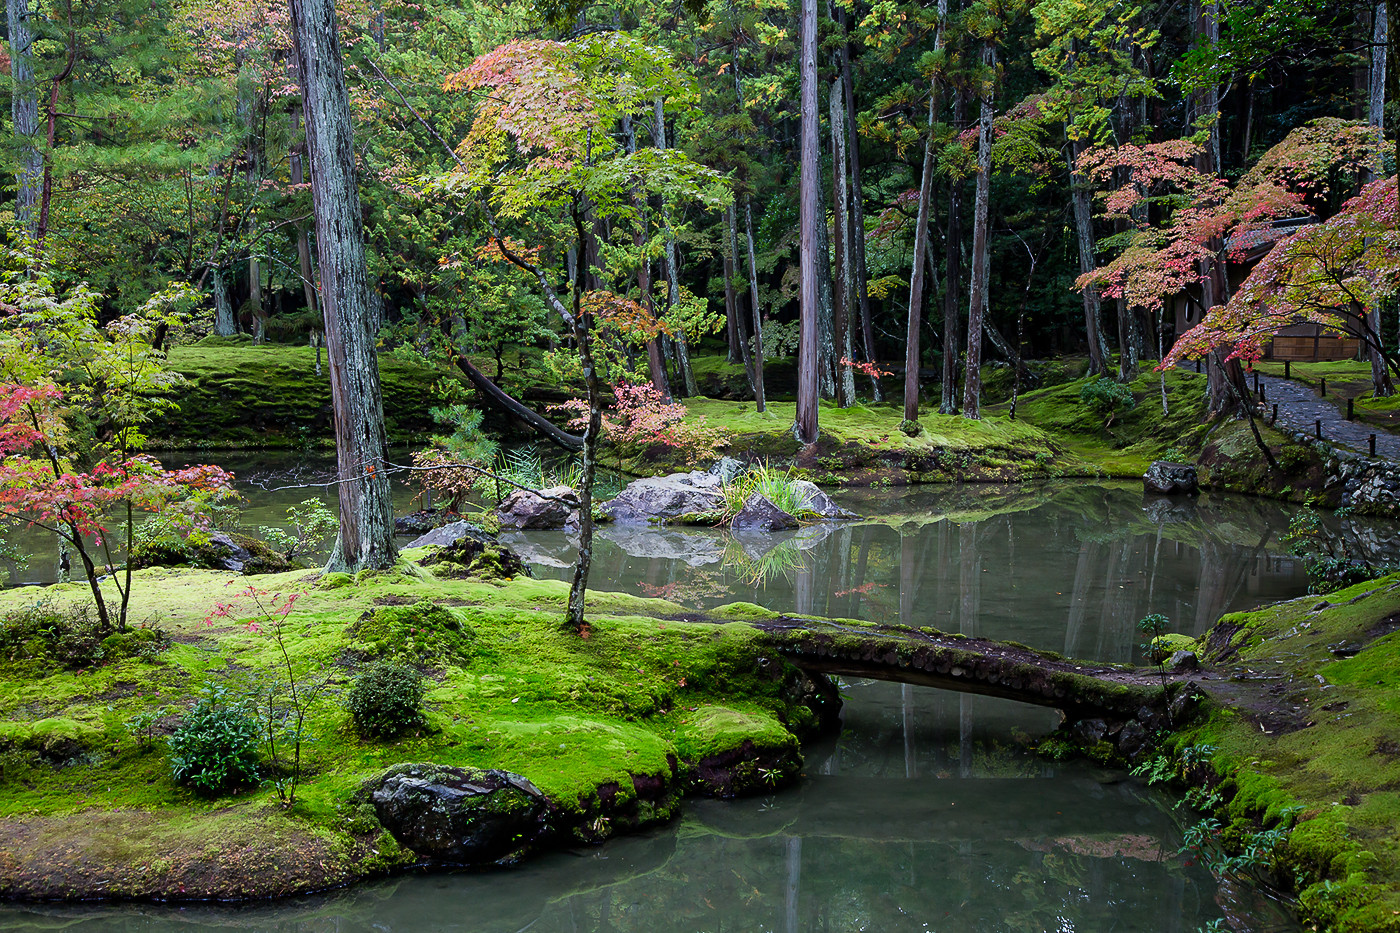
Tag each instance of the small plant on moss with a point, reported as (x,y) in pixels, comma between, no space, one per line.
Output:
(386,700)
(1325,556)
(910,428)
(142,727)
(215,748)
(46,632)
(311,524)
(1108,398)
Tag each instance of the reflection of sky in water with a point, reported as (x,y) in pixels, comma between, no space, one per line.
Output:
(927,812)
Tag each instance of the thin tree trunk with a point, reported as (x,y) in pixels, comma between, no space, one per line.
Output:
(805,426)
(578,589)
(826,356)
(1375,116)
(656,363)
(731,224)
(41,229)
(760,401)
(224,323)
(948,403)
(913,355)
(304,269)
(977,305)
(862,268)
(366,537)
(1080,198)
(672,270)
(24,111)
(842,294)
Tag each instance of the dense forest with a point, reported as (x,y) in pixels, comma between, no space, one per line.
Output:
(1042,178)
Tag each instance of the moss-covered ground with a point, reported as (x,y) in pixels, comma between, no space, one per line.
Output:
(1307,725)
(88,806)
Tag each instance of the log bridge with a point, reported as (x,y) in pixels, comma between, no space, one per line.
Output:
(927,657)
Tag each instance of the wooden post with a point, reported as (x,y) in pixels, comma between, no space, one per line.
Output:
(1274,419)
(1287,369)
(1351,409)
(1322,386)
(1317,427)
(1198,366)
(1372,444)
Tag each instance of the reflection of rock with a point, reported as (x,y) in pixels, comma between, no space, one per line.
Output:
(760,514)
(662,498)
(693,548)
(460,815)
(818,502)
(553,551)
(1162,510)
(756,544)
(1168,478)
(549,508)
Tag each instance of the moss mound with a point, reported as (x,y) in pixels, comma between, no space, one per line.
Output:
(603,723)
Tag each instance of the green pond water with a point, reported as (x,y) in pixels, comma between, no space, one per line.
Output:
(927,812)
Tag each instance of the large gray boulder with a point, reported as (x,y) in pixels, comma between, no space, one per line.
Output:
(549,508)
(451,534)
(1168,479)
(760,514)
(463,816)
(663,498)
(819,503)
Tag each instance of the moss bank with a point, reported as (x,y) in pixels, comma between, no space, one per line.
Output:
(1307,725)
(89,809)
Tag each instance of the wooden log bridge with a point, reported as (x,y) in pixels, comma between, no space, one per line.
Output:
(927,657)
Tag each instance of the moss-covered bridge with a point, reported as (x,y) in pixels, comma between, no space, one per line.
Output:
(924,656)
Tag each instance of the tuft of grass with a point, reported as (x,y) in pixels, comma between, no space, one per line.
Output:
(777,486)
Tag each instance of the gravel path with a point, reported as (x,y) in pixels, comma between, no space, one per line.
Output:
(1299,408)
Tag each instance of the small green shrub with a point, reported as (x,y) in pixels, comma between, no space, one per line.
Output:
(910,428)
(47,633)
(386,700)
(1107,397)
(215,748)
(143,643)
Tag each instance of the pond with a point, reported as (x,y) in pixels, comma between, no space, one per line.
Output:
(928,811)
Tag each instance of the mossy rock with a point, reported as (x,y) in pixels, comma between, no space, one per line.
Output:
(56,739)
(143,643)
(420,633)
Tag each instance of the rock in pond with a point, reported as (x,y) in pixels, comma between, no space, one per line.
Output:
(1168,479)
(819,503)
(554,507)
(451,534)
(760,514)
(424,520)
(463,816)
(464,549)
(662,498)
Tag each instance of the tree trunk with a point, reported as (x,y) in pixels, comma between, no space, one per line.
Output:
(843,295)
(731,225)
(977,305)
(366,537)
(304,269)
(862,269)
(826,353)
(1375,116)
(656,363)
(672,270)
(913,355)
(578,589)
(1080,197)
(805,426)
(760,401)
(24,110)
(225,324)
(948,403)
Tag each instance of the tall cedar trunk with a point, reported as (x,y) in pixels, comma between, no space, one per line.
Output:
(672,271)
(760,401)
(952,284)
(843,295)
(731,224)
(24,111)
(1375,116)
(731,323)
(913,353)
(805,426)
(977,304)
(862,269)
(304,269)
(1081,195)
(366,538)
(224,323)
(826,354)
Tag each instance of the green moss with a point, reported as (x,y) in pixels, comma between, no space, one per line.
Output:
(269,396)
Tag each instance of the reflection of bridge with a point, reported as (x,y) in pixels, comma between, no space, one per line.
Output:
(904,654)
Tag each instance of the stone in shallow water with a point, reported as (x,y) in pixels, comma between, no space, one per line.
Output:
(550,508)
(818,502)
(451,534)
(1167,479)
(464,816)
(662,498)
(760,514)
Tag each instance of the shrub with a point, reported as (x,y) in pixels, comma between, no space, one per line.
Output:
(386,699)
(1107,397)
(910,428)
(215,749)
(46,632)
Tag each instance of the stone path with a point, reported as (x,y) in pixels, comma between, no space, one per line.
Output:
(1299,408)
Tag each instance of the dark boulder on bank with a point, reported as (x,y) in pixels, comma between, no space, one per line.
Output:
(462,816)
(1169,479)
